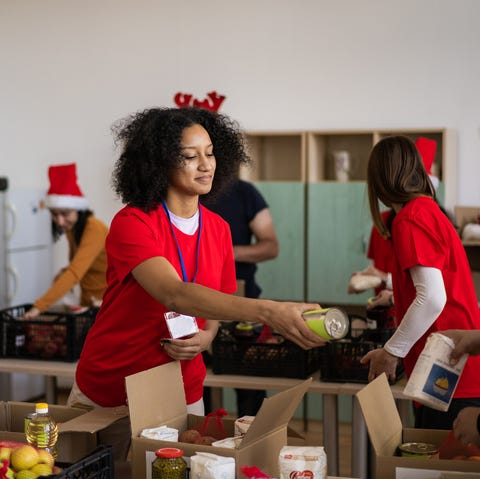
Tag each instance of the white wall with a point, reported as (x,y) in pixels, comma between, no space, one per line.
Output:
(69,69)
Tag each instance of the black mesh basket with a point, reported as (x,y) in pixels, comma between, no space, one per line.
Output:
(232,354)
(51,336)
(97,465)
(340,360)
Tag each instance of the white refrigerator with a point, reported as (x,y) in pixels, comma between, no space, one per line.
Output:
(27,270)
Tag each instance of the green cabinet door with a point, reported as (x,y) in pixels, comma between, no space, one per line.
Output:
(338,231)
(283,277)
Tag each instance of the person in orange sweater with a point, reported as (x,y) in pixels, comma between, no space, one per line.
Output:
(86,242)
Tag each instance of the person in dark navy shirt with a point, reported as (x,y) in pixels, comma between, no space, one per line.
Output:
(254,240)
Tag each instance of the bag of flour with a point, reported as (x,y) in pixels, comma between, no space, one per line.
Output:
(434,380)
(204,465)
(302,462)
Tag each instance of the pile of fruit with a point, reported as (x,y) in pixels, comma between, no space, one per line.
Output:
(22,461)
(46,340)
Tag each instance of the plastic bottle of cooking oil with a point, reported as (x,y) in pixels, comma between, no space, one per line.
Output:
(42,430)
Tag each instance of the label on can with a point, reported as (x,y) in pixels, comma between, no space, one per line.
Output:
(434,380)
(328,323)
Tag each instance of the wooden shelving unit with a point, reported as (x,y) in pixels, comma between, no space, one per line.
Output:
(322,219)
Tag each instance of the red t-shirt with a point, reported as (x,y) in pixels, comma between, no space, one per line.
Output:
(423,235)
(380,250)
(125,338)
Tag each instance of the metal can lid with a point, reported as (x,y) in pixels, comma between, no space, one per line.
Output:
(336,322)
(244,327)
(169,452)
(418,448)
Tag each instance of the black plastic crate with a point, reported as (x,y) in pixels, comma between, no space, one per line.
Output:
(234,355)
(51,336)
(97,465)
(340,360)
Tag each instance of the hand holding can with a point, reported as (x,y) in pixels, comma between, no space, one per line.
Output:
(328,323)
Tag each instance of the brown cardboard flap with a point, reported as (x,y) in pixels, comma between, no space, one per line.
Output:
(94,420)
(3,416)
(293,434)
(381,416)
(275,412)
(155,396)
(466,214)
(16,412)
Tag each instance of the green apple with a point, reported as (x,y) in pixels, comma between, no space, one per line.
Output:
(44,457)
(42,469)
(26,474)
(23,457)
(5,453)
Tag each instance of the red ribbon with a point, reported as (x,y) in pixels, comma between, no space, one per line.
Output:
(219,413)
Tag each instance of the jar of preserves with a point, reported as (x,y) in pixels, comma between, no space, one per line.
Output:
(169,464)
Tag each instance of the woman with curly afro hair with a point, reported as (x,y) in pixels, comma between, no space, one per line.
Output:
(169,256)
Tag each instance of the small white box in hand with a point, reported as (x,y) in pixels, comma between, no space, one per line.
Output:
(180,325)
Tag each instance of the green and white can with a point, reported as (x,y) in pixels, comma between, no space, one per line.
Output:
(328,323)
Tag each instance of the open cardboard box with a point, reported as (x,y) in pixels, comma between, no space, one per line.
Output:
(379,410)
(463,216)
(156,397)
(466,214)
(77,428)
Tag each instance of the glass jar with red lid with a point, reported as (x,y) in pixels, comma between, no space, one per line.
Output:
(169,464)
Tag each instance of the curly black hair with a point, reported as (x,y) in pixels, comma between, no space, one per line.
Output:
(151,150)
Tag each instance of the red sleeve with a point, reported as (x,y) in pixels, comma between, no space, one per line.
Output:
(380,249)
(132,240)
(416,245)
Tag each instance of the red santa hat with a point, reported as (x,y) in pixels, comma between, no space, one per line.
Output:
(64,191)
(427,149)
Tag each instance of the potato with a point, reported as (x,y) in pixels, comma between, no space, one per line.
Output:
(190,435)
(207,440)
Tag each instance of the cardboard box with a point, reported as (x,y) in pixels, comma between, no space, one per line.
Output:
(379,409)
(156,397)
(77,427)
(466,214)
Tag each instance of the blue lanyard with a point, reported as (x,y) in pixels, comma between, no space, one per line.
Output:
(180,256)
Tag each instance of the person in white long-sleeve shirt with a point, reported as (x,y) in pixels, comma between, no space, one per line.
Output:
(431,279)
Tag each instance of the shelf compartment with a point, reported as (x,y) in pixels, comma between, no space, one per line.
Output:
(322,148)
(277,156)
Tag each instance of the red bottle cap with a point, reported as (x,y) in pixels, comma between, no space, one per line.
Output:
(169,452)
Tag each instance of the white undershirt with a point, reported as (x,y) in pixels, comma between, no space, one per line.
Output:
(428,304)
(185,225)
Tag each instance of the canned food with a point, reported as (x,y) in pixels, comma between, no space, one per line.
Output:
(328,323)
(244,331)
(422,450)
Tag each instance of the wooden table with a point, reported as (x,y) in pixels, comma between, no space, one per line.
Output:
(329,391)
